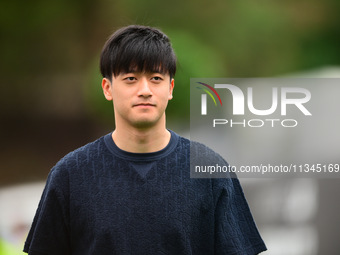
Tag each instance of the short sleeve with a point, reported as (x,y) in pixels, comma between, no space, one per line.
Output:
(49,233)
(235,229)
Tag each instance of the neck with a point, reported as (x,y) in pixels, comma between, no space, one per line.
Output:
(141,140)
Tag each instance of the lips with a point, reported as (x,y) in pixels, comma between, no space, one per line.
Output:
(144,105)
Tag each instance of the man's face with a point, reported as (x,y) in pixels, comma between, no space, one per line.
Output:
(139,98)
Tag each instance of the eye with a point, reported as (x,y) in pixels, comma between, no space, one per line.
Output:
(129,79)
(157,78)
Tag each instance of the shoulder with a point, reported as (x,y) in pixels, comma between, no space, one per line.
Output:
(207,163)
(196,148)
(81,156)
(201,153)
(202,150)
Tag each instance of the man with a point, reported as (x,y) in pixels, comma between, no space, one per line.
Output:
(130,192)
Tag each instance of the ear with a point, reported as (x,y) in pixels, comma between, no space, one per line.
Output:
(172,85)
(106,86)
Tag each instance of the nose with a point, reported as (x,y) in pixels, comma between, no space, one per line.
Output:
(144,88)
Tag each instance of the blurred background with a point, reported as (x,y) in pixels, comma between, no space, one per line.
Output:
(51,100)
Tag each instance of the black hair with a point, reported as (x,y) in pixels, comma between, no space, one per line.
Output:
(137,48)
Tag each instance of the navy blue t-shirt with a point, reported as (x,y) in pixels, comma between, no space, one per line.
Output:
(102,200)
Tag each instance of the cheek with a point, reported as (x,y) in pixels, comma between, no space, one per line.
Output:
(118,95)
(165,93)
(117,101)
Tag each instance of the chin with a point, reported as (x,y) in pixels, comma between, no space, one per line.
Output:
(144,124)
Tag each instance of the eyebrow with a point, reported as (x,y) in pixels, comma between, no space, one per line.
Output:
(140,72)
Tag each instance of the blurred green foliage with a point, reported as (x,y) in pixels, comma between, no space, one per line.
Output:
(49,49)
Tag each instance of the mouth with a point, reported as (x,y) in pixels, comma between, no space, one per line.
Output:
(144,105)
